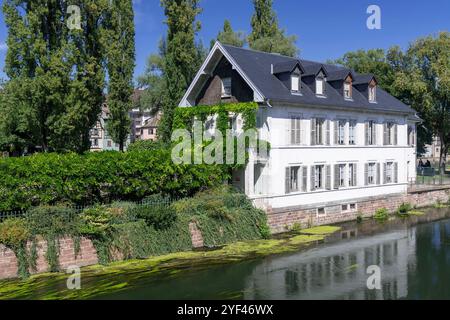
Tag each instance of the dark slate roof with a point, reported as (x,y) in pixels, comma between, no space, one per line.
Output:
(363,78)
(286,66)
(257,66)
(340,75)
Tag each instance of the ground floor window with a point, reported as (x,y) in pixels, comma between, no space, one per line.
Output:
(371,173)
(352,175)
(318,177)
(296,178)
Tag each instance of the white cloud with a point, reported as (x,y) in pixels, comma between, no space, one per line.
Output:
(3,46)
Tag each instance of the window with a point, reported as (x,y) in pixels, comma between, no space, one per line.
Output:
(321,211)
(353,206)
(390,134)
(372,92)
(352,175)
(317,131)
(411,136)
(320,86)
(95,132)
(296,179)
(318,177)
(344,207)
(295,83)
(95,143)
(294,183)
(295,130)
(109,143)
(371,132)
(150,131)
(389,173)
(341,132)
(371,173)
(342,175)
(226,87)
(352,133)
(348,90)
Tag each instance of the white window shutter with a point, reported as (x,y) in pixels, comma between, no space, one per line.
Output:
(305,179)
(288,180)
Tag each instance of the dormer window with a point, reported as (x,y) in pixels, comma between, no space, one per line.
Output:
(320,84)
(348,89)
(372,92)
(295,83)
(226,87)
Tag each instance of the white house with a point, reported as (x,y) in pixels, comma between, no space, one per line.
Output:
(335,135)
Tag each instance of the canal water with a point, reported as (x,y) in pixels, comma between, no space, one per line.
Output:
(413,256)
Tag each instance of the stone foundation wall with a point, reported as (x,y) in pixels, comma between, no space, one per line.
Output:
(281,220)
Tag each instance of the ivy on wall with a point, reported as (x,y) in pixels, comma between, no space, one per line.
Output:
(184,119)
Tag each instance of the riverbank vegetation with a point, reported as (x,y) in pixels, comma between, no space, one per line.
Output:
(125,230)
(98,280)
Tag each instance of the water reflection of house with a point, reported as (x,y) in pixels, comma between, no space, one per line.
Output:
(338,271)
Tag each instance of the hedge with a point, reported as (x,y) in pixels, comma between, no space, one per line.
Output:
(99,178)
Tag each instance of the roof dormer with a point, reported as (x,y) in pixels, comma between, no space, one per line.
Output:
(348,88)
(367,85)
(320,83)
(290,73)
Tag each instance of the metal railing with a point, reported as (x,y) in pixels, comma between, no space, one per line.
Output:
(79,209)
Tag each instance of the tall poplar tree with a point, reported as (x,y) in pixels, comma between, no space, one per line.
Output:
(229,36)
(182,57)
(120,48)
(266,34)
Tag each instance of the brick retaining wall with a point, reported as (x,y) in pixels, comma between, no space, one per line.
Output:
(67,258)
(281,220)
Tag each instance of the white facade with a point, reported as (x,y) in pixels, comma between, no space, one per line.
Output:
(269,185)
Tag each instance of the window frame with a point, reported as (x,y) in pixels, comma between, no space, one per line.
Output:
(226,86)
(319,177)
(352,126)
(298,79)
(372,173)
(372,93)
(320,80)
(350,91)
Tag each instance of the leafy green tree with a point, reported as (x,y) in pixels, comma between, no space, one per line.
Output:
(266,34)
(372,61)
(56,74)
(170,72)
(120,47)
(229,36)
(424,82)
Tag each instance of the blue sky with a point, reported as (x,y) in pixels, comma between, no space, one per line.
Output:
(326,29)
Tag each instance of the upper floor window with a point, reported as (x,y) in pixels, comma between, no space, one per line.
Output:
(371,133)
(318,134)
(320,86)
(352,133)
(226,87)
(411,136)
(390,134)
(295,83)
(372,92)
(295,131)
(348,88)
(341,132)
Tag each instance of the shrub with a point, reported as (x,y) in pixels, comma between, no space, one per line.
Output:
(49,179)
(96,222)
(404,209)
(146,145)
(381,214)
(159,216)
(14,233)
(359,218)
